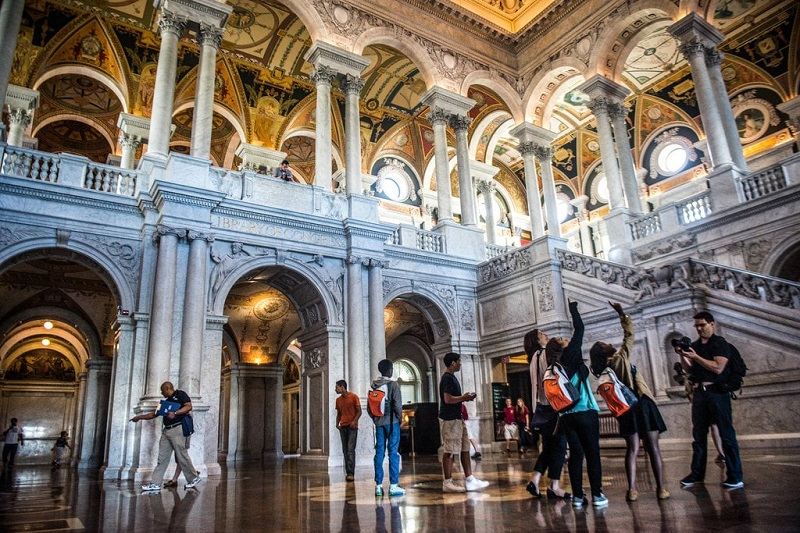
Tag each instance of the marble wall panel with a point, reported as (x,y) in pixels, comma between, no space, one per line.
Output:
(506,311)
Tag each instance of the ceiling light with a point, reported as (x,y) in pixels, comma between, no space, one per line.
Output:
(48,325)
(46,342)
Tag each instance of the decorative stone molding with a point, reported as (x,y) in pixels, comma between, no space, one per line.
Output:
(390,285)
(170,22)
(460,122)
(467,316)
(666,246)
(352,84)
(438,116)
(210,12)
(211,35)
(504,265)
(544,293)
(162,231)
(316,358)
(543,153)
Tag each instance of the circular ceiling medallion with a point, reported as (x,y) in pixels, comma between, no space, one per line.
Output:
(270,308)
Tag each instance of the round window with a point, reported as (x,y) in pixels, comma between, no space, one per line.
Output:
(672,158)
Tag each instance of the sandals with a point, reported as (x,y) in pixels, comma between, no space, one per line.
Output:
(170,483)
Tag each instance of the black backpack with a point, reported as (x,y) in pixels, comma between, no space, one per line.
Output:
(735,372)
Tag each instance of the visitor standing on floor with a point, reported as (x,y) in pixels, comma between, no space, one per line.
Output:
(455,439)
(348,413)
(387,430)
(172,439)
(13,438)
(59,449)
(522,417)
(705,361)
(643,420)
(581,423)
(554,445)
(510,430)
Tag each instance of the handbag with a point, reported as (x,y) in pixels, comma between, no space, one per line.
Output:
(188,425)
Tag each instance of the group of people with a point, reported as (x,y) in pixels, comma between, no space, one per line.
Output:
(14,437)
(516,425)
(452,424)
(578,427)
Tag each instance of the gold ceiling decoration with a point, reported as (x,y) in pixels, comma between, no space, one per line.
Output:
(510,15)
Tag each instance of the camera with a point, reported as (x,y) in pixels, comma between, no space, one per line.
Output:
(683,344)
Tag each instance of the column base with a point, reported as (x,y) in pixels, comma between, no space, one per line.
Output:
(619,237)
(462,241)
(724,187)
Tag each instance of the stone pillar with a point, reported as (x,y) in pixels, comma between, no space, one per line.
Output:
(377,328)
(545,155)
(487,188)
(210,39)
(438,118)
(163,309)
(695,34)
(460,124)
(527,135)
(171,27)
(443,104)
(194,314)
(357,376)
(792,108)
(21,102)
(352,85)
(330,61)
(587,246)
(713,62)
(95,412)
(10,19)
(617,112)
(133,132)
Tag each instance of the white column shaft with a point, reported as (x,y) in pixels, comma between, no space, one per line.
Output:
(352,130)
(163,313)
(18,121)
(487,189)
(469,214)
(630,183)
(322,154)
(194,316)
(10,19)
(713,64)
(532,190)
(608,156)
(443,192)
(377,329)
(357,376)
(202,119)
(164,91)
(549,192)
(709,112)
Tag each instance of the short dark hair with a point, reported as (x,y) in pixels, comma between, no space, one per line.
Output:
(13,421)
(451,358)
(342,383)
(284,162)
(598,356)
(385,367)
(553,350)
(704,315)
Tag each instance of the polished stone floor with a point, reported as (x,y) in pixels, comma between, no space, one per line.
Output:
(298,495)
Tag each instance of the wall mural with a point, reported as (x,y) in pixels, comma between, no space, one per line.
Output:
(40,364)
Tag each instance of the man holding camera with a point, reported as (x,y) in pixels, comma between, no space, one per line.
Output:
(284,172)
(705,361)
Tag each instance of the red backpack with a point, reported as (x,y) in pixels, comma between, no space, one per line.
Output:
(377,399)
(560,391)
(618,397)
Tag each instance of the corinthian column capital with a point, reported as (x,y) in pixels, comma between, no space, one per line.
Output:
(323,75)
(352,84)
(170,22)
(460,122)
(211,35)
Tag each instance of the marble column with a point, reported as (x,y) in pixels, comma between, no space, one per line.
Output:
(163,309)
(545,156)
(130,145)
(95,412)
(377,328)
(460,124)
(323,78)
(487,189)
(587,246)
(194,314)
(171,27)
(210,39)
(792,108)
(617,112)
(352,85)
(599,107)
(528,150)
(695,34)
(10,19)
(439,117)
(133,132)
(357,375)
(713,63)
(21,102)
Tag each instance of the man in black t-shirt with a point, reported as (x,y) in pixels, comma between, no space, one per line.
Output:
(705,363)
(172,439)
(455,439)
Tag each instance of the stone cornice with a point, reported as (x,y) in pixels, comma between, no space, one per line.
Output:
(395,252)
(108,203)
(286,221)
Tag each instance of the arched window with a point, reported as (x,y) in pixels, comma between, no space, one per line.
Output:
(408,378)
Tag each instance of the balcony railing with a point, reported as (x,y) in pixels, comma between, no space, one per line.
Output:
(409,236)
(766,182)
(31,164)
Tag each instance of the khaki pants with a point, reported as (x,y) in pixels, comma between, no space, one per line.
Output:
(172,439)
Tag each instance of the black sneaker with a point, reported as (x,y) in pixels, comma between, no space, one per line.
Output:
(690,481)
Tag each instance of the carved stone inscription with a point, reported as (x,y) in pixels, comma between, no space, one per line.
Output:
(281,232)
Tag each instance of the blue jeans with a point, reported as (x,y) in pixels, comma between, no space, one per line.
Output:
(390,434)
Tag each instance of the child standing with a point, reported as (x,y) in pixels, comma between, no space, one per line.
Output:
(60,449)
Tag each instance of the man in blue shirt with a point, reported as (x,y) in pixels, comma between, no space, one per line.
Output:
(172,439)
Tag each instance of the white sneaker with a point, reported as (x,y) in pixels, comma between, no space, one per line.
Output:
(475,484)
(152,487)
(193,482)
(450,486)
